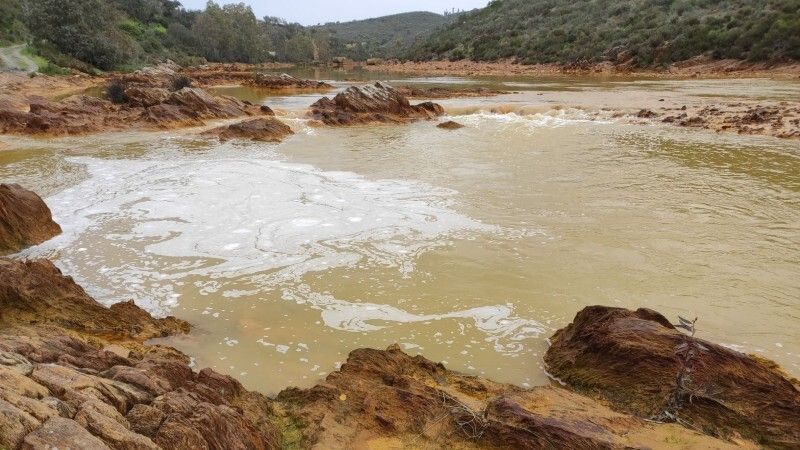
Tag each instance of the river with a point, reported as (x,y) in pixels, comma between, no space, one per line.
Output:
(471,246)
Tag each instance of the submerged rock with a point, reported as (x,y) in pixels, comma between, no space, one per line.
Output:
(450,125)
(370,104)
(640,363)
(25,219)
(262,129)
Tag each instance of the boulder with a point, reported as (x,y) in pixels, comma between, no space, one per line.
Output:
(263,129)
(370,104)
(25,219)
(207,106)
(640,363)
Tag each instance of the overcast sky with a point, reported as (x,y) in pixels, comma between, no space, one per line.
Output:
(311,12)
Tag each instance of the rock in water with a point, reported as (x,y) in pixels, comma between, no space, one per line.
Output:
(285,81)
(640,363)
(450,125)
(25,219)
(262,129)
(37,292)
(379,103)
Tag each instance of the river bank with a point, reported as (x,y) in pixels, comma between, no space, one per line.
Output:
(693,68)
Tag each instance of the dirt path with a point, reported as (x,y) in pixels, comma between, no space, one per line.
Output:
(12,58)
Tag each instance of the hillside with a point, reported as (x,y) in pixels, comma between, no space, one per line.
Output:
(653,32)
(383,36)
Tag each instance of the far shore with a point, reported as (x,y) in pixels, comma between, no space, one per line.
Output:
(693,68)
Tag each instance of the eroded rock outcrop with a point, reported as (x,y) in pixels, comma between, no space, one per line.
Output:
(25,219)
(74,374)
(640,363)
(378,103)
(388,399)
(262,129)
(145,107)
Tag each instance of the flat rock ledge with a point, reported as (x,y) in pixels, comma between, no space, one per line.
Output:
(378,103)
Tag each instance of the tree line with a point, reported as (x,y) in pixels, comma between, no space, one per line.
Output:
(123,34)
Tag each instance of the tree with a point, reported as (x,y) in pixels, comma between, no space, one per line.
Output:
(85,29)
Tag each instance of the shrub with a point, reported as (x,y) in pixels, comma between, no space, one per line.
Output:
(180,82)
(115,91)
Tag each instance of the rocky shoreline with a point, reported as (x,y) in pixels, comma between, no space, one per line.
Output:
(167,96)
(75,374)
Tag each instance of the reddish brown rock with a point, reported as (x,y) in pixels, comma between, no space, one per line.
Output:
(640,363)
(146,96)
(378,103)
(62,433)
(35,292)
(263,129)
(144,108)
(450,125)
(286,82)
(25,219)
(388,399)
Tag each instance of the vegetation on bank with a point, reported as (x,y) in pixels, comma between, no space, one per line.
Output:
(652,32)
(382,37)
(127,34)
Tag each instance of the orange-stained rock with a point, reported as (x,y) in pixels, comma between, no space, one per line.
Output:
(145,107)
(25,219)
(390,399)
(640,363)
(378,103)
(264,129)
(35,292)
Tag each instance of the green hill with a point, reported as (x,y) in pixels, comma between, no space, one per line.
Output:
(654,32)
(386,36)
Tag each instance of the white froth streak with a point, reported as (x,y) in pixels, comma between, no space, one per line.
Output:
(267,221)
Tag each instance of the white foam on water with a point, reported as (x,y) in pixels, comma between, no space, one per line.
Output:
(504,330)
(155,222)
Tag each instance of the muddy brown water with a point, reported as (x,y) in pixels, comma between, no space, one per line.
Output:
(471,246)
